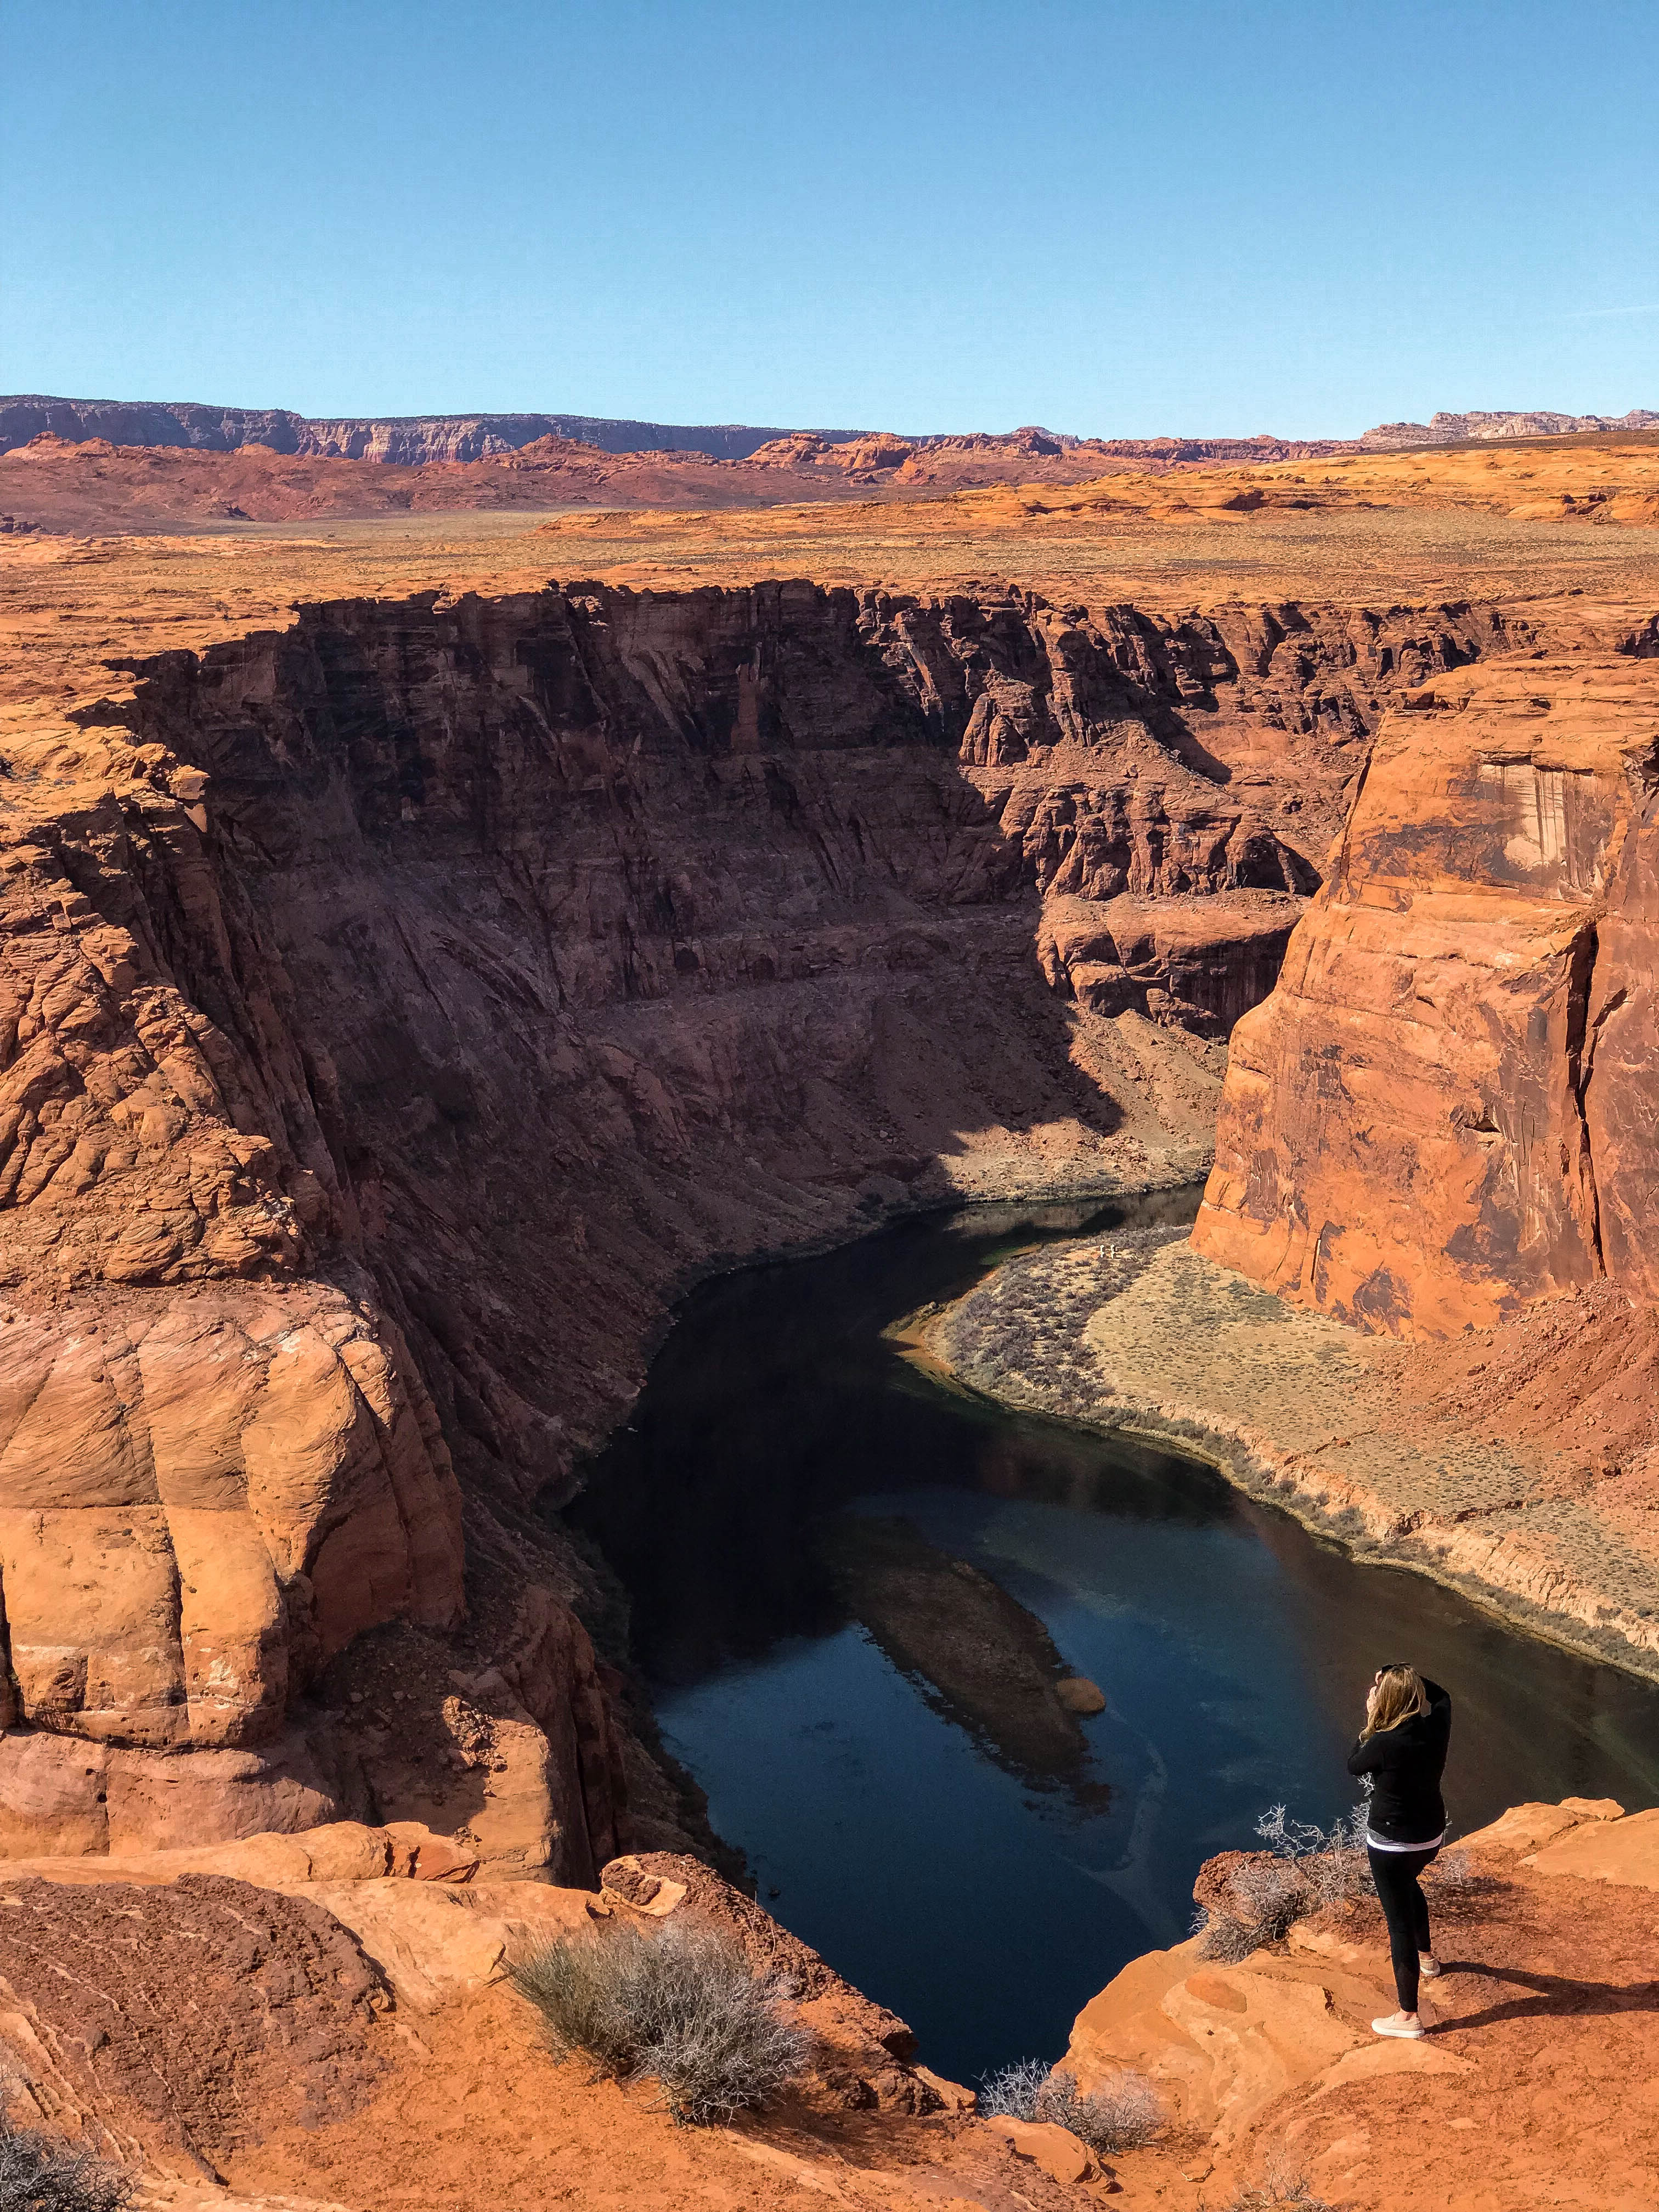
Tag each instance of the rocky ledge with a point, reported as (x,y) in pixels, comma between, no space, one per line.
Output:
(1534,2084)
(357,1979)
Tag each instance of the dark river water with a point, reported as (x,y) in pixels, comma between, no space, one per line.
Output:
(899,1823)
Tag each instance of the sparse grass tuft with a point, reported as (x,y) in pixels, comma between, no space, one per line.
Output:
(681,2007)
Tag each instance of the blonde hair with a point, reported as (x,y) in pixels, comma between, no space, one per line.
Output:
(1397,1697)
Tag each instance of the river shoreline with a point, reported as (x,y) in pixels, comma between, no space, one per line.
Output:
(1143,1338)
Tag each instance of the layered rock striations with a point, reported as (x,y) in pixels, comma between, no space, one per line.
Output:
(403,1006)
(1443,1113)
(1484,423)
(407,440)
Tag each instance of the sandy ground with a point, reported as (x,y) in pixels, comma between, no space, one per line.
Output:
(1381,558)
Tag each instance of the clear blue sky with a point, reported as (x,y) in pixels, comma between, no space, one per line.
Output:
(1109,219)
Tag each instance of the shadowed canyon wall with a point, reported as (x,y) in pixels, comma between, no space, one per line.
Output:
(400,1009)
(1446,1109)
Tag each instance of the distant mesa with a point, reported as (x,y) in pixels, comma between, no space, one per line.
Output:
(404,438)
(412,440)
(1503,423)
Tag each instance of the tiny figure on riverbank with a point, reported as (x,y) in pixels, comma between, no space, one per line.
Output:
(1402,1747)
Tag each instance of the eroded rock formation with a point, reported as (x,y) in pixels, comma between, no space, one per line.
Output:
(1445,1110)
(417,997)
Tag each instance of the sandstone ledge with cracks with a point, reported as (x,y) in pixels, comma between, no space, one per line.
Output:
(1542,2017)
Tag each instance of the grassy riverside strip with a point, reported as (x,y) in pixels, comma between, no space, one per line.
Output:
(1141,1334)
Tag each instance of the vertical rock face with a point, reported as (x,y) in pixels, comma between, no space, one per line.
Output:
(1445,1108)
(425,993)
(239,1482)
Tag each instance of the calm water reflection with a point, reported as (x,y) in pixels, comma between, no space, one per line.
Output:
(1232,1646)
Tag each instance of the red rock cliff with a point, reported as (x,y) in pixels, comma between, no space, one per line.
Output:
(415,1000)
(1445,1109)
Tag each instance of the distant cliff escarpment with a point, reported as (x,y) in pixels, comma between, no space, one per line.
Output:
(408,439)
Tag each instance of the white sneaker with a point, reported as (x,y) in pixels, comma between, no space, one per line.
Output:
(1395,2026)
(1427,1968)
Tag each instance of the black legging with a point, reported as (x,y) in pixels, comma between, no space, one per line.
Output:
(1407,1912)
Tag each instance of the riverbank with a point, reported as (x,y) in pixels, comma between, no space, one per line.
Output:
(1390,1450)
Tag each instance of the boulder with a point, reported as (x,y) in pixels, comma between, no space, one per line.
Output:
(1524,1827)
(1079,1695)
(627,1881)
(1221,2042)
(437,1943)
(1056,2150)
(953,2096)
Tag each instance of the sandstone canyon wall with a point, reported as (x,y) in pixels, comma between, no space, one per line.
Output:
(399,1009)
(1445,1111)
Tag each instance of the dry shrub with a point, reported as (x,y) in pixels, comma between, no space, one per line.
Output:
(1010,2092)
(1121,2112)
(1282,2188)
(1302,1870)
(1332,1862)
(682,2007)
(1454,1875)
(38,2173)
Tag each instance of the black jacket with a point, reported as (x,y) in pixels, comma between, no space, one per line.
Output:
(1407,1763)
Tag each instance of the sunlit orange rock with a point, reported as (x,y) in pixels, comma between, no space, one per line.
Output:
(1443,1111)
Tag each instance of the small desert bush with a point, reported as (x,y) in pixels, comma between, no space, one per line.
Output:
(1282,2188)
(38,2173)
(681,2007)
(1454,1871)
(1302,1869)
(1010,2092)
(1332,1861)
(1120,2113)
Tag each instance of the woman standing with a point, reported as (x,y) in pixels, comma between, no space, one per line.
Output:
(1402,1747)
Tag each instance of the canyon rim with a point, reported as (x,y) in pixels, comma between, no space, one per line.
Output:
(418,974)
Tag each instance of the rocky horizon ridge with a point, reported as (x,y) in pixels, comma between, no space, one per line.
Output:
(416,440)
